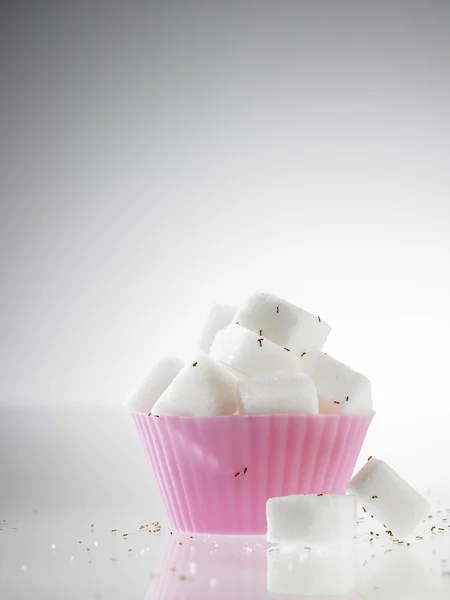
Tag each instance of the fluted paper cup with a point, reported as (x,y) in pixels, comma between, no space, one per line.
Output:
(215,474)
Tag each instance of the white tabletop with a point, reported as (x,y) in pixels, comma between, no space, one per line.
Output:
(78,554)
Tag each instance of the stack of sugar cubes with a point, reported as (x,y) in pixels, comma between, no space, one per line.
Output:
(265,357)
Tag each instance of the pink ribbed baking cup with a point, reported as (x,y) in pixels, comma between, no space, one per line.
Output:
(215,474)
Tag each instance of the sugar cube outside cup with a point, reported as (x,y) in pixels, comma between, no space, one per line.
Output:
(202,388)
(251,354)
(280,393)
(388,497)
(311,518)
(337,383)
(283,323)
(161,374)
(219,317)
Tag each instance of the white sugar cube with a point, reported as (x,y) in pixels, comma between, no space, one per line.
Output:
(283,323)
(330,571)
(311,518)
(386,496)
(161,374)
(328,408)
(203,387)
(277,394)
(219,317)
(251,354)
(166,408)
(337,383)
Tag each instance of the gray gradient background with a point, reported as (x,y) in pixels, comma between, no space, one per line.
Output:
(159,156)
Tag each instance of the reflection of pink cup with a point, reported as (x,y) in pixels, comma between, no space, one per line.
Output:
(215,474)
(205,567)
(237,568)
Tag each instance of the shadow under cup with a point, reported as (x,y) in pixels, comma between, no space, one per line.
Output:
(215,474)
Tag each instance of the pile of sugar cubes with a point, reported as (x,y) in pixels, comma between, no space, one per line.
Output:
(318,519)
(263,357)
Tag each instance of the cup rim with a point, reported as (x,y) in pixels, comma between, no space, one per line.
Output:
(264,416)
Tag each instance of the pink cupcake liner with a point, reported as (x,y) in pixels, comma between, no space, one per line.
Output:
(215,474)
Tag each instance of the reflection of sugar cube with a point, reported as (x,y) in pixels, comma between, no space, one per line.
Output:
(311,518)
(283,323)
(337,383)
(388,497)
(161,374)
(251,354)
(311,573)
(219,317)
(277,394)
(202,388)
(403,576)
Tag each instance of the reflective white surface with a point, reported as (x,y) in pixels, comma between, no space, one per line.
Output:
(54,555)
(69,479)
